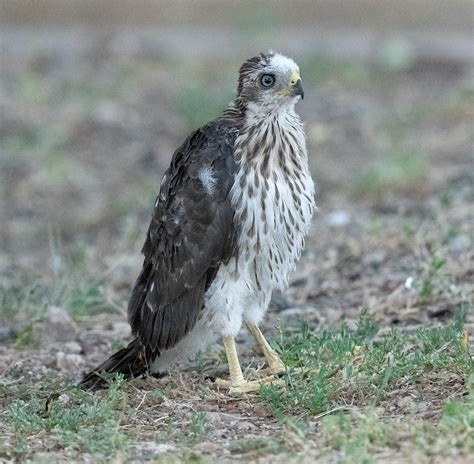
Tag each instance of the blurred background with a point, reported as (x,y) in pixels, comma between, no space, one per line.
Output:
(96,95)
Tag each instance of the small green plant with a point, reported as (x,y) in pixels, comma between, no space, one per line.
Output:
(117,344)
(355,436)
(198,105)
(259,445)
(199,426)
(396,169)
(24,338)
(337,366)
(194,432)
(32,88)
(319,69)
(87,422)
(22,298)
(360,435)
(428,282)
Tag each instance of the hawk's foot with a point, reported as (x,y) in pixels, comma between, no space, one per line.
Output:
(237,384)
(246,386)
(275,364)
(275,367)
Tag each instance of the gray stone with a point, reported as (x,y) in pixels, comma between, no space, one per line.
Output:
(68,362)
(338,218)
(59,327)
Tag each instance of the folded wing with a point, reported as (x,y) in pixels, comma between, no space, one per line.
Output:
(190,235)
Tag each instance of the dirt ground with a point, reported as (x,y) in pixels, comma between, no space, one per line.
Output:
(89,120)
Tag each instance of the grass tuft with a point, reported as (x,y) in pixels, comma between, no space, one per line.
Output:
(339,367)
(395,170)
(82,421)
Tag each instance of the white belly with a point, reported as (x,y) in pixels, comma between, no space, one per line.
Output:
(273,211)
(270,243)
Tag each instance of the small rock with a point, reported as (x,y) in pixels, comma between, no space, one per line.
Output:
(318,133)
(246,425)
(163,448)
(218,418)
(59,327)
(293,312)
(72,347)
(68,362)
(120,329)
(150,450)
(375,258)
(65,399)
(351,324)
(422,406)
(6,334)
(338,218)
(404,402)
(459,244)
(279,301)
(209,447)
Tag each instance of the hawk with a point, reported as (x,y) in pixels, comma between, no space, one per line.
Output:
(228,226)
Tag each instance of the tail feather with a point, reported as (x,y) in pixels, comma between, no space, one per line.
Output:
(132,361)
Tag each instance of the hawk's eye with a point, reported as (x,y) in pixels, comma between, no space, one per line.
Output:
(267,80)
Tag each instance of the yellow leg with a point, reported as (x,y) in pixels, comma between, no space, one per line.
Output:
(235,371)
(275,364)
(237,382)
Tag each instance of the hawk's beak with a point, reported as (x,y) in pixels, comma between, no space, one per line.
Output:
(296,85)
(298,89)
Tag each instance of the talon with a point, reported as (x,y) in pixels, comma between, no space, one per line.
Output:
(246,386)
(222,384)
(278,369)
(237,384)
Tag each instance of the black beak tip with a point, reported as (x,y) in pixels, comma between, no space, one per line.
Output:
(298,89)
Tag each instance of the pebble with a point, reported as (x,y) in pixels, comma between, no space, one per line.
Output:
(59,327)
(338,218)
(150,450)
(209,447)
(459,244)
(375,258)
(293,312)
(6,334)
(72,347)
(68,362)
(217,418)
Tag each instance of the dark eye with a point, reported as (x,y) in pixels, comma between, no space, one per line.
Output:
(267,80)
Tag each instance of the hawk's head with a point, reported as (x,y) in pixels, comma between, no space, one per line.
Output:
(270,80)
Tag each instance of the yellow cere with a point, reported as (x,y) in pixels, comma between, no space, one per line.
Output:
(294,77)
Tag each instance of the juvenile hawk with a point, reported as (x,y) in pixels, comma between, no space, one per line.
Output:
(228,226)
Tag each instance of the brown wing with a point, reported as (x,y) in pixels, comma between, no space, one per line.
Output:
(191,234)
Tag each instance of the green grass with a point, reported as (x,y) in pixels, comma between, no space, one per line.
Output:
(77,421)
(360,436)
(25,299)
(338,367)
(319,69)
(256,445)
(22,300)
(428,282)
(394,170)
(32,88)
(199,103)
(342,378)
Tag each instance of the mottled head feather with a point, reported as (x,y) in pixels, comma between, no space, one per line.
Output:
(252,66)
(250,92)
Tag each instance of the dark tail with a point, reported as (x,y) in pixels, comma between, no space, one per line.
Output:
(132,361)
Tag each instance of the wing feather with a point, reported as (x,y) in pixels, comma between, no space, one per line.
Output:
(190,235)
